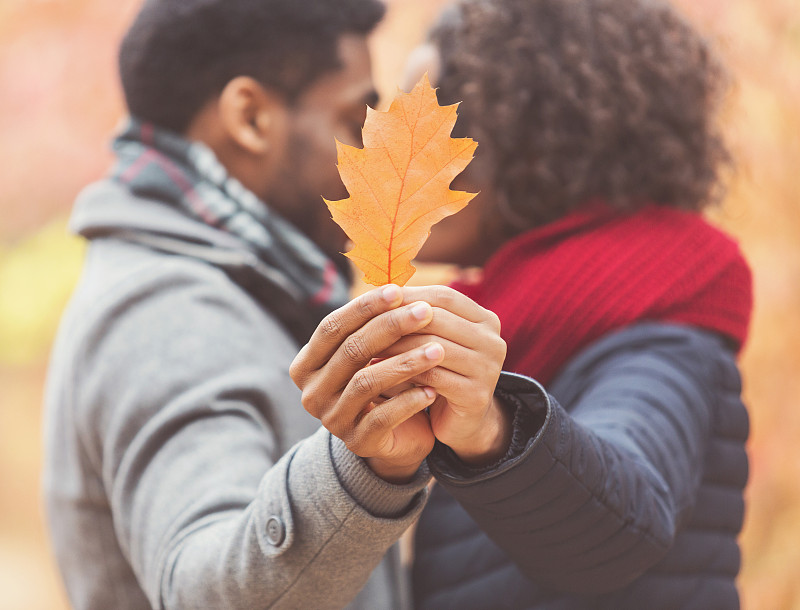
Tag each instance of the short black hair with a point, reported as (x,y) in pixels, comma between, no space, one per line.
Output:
(575,100)
(178,54)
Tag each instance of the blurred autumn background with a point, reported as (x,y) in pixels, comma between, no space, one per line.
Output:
(59,101)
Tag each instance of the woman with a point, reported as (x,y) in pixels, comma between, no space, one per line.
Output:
(623,485)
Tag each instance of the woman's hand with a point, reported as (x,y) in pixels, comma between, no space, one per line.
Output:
(465,416)
(344,393)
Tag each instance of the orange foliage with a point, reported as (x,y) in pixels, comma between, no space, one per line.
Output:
(399,183)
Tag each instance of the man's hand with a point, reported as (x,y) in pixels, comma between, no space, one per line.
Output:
(465,416)
(344,393)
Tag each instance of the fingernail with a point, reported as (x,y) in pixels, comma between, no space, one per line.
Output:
(434,351)
(420,311)
(429,392)
(391,293)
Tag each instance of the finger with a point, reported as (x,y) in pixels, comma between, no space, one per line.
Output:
(399,388)
(339,325)
(457,329)
(470,347)
(390,393)
(370,382)
(393,412)
(358,350)
(322,389)
(457,389)
(474,335)
(453,301)
(458,358)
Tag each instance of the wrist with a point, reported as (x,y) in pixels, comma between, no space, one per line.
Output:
(396,474)
(492,440)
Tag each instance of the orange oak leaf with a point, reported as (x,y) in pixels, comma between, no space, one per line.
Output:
(399,183)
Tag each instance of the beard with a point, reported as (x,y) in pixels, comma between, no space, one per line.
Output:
(297,200)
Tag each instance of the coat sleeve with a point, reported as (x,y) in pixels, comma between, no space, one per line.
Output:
(180,393)
(595,495)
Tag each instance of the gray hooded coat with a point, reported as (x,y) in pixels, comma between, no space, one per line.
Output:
(181,469)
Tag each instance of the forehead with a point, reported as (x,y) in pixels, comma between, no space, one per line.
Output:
(351,83)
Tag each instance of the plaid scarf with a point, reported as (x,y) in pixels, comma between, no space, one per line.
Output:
(162,165)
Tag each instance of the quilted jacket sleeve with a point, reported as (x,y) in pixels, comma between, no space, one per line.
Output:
(595,495)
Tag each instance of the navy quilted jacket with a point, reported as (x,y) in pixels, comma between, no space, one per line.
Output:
(625,492)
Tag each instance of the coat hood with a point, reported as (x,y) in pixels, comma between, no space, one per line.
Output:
(108,208)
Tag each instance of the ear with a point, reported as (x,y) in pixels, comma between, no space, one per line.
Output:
(252,117)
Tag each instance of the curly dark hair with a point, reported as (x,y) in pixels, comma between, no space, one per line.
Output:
(178,54)
(578,100)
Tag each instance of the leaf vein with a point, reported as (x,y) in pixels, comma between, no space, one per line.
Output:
(420,218)
(432,178)
(431,139)
(372,192)
(367,229)
(361,259)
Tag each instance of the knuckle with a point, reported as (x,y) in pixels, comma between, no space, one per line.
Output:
(393,324)
(355,443)
(345,429)
(351,439)
(354,349)
(494,344)
(329,422)
(298,368)
(359,438)
(331,326)
(367,307)
(501,349)
(295,373)
(444,296)
(334,424)
(311,403)
(407,366)
(494,321)
(380,419)
(364,382)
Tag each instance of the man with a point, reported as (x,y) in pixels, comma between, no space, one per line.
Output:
(181,469)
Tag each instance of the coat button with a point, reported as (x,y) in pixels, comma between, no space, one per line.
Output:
(276,532)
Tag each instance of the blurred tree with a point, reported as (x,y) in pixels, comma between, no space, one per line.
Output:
(58,104)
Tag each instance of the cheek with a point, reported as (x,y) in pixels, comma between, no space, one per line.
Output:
(466,238)
(452,239)
(312,170)
(315,161)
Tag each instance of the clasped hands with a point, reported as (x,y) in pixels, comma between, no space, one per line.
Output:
(373,366)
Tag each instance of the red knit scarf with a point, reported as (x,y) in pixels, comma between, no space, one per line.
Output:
(559,287)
